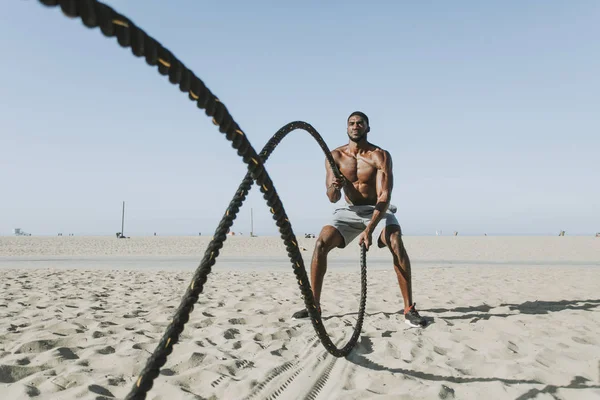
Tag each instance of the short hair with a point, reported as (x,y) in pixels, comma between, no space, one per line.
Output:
(360,114)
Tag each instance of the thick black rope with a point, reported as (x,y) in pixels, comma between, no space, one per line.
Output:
(95,14)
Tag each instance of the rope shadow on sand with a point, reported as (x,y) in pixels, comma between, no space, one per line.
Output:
(365,347)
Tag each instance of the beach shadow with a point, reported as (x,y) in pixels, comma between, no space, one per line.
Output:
(482,308)
(482,312)
(429,320)
(387,314)
(365,346)
(576,383)
(545,307)
(476,313)
(528,307)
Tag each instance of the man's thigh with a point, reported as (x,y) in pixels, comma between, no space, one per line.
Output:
(348,224)
(387,226)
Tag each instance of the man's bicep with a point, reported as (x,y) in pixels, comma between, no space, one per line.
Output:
(389,171)
(385,177)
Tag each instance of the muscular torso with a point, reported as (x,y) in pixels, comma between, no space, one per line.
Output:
(361,171)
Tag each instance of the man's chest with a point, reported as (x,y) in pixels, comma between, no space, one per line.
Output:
(357,168)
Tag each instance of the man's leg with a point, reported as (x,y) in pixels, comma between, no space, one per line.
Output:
(392,238)
(328,239)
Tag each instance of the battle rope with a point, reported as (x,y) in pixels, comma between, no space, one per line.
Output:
(111,23)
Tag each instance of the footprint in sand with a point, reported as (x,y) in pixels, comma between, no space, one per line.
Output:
(23,361)
(14,373)
(67,354)
(230,333)
(581,340)
(282,334)
(116,381)
(167,372)
(457,365)
(106,350)
(203,324)
(149,347)
(279,352)
(32,391)
(393,351)
(446,392)
(195,360)
(37,346)
(100,390)
(512,347)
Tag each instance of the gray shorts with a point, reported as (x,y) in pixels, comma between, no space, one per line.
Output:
(351,220)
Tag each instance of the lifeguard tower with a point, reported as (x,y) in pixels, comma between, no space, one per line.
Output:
(19,232)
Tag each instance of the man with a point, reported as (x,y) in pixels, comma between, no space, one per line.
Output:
(368,214)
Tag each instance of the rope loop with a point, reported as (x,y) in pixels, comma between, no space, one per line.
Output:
(96,14)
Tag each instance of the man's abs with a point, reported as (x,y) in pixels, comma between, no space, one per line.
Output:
(363,194)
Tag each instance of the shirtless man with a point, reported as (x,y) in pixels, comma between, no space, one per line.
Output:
(367,214)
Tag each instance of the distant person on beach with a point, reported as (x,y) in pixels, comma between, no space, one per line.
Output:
(367,214)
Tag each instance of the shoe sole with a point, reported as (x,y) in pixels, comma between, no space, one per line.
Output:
(407,322)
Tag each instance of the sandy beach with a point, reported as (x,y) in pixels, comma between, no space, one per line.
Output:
(511,318)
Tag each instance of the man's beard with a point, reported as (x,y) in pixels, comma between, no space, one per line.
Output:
(358,139)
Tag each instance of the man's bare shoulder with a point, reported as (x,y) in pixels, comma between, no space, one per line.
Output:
(381,156)
(339,151)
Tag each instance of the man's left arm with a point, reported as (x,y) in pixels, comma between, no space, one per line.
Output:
(385,183)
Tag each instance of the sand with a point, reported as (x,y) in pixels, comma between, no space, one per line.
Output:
(511,318)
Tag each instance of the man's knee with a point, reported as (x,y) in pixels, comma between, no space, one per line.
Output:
(396,245)
(323,246)
(328,240)
(391,234)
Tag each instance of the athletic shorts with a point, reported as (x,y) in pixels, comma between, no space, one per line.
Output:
(352,220)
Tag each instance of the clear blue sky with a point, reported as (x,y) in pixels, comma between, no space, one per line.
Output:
(489,109)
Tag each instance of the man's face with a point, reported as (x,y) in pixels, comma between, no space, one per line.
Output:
(357,128)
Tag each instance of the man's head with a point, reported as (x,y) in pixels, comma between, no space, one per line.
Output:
(358,126)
